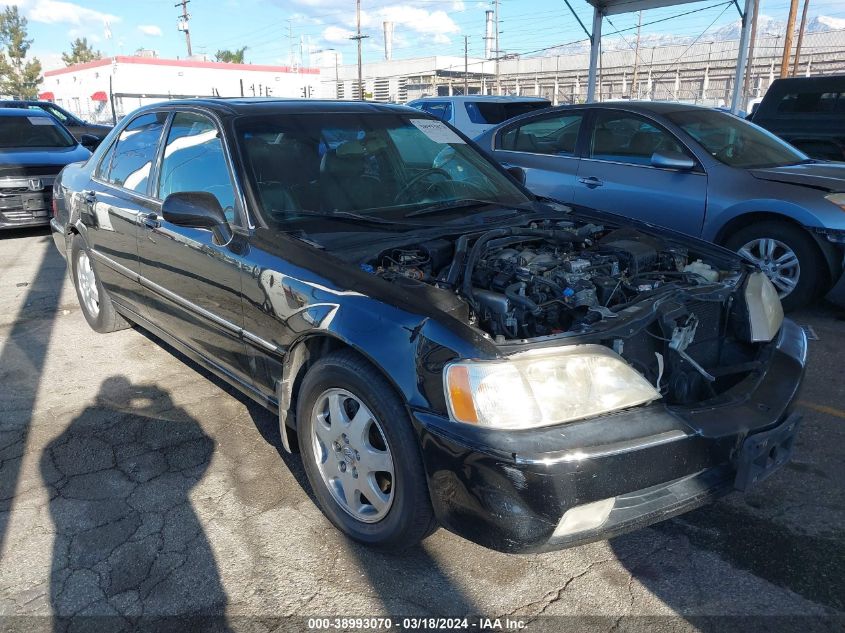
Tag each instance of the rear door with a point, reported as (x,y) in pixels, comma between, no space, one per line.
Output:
(192,284)
(117,200)
(616,174)
(545,147)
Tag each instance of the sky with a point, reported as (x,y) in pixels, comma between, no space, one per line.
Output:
(273,29)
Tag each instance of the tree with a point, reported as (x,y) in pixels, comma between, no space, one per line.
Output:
(19,77)
(231,57)
(80,52)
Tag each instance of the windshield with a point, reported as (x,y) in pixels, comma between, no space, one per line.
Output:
(382,166)
(735,142)
(32,131)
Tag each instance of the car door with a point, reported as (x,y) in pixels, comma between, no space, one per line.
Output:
(192,284)
(116,201)
(616,174)
(545,147)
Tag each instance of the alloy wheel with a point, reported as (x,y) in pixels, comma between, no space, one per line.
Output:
(777,260)
(352,455)
(87,283)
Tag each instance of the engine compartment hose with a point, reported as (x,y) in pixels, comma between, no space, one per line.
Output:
(553,235)
(512,292)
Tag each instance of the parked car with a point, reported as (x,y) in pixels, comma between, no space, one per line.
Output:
(441,350)
(694,170)
(74,124)
(808,112)
(34,147)
(475,114)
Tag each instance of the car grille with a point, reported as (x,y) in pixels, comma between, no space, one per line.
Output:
(25,201)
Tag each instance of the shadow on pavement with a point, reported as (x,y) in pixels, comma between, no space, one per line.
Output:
(410,583)
(22,361)
(128,543)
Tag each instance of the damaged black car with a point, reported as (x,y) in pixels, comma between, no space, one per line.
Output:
(442,347)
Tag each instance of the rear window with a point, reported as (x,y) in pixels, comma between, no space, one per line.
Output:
(487,112)
(812,103)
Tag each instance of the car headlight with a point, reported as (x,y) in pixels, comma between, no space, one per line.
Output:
(765,312)
(837,198)
(543,387)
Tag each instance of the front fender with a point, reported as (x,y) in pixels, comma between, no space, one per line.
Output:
(715,222)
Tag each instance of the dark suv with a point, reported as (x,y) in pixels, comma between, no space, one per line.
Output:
(808,112)
(74,124)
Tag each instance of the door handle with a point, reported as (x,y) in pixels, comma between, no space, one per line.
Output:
(151,220)
(89,196)
(592,182)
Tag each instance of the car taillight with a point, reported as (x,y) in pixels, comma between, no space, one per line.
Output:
(55,206)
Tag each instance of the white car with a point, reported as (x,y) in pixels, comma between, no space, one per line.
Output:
(475,114)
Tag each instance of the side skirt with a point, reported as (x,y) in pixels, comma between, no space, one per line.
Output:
(271,404)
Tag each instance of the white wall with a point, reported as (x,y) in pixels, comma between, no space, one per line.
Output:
(143,80)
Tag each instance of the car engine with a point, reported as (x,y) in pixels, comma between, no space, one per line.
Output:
(545,279)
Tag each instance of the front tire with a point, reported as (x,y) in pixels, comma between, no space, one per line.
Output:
(95,302)
(788,256)
(360,454)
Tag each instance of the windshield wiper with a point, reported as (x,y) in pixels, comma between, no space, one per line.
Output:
(349,216)
(449,205)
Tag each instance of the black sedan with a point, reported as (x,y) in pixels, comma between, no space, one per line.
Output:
(441,346)
(34,148)
(73,123)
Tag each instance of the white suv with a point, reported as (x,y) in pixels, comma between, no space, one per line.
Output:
(475,114)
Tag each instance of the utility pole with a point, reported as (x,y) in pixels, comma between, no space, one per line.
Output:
(182,25)
(636,58)
(800,37)
(358,37)
(496,57)
(750,65)
(466,64)
(787,42)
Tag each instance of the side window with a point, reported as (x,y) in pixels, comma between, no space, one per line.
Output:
(61,116)
(194,161)
(811,103)
(555,135)
(627,138)
(129,161)
(441,109)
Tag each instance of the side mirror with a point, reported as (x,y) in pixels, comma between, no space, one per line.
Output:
(518,173)
(198,210)
(89,141)
(672,160)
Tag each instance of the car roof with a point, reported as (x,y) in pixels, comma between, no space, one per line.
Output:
(270,105)
(20,112)
(488,98)
(810,82)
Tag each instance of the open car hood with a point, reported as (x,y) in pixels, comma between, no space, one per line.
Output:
(823,176)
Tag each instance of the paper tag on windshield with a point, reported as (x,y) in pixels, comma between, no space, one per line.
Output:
(436,131)
(40,120)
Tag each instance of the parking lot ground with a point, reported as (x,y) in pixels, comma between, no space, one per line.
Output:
(133,484)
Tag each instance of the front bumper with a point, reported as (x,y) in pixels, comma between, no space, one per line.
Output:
(543,489)
(59,237)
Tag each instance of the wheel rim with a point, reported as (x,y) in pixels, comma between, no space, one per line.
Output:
(352,455)
(777,260)
(87,283)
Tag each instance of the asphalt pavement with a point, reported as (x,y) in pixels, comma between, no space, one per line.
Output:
(135,485)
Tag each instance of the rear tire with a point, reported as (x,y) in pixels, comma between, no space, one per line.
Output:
(789,257)
(387,463)
(95,302)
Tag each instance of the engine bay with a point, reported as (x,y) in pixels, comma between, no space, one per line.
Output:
(547,278)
